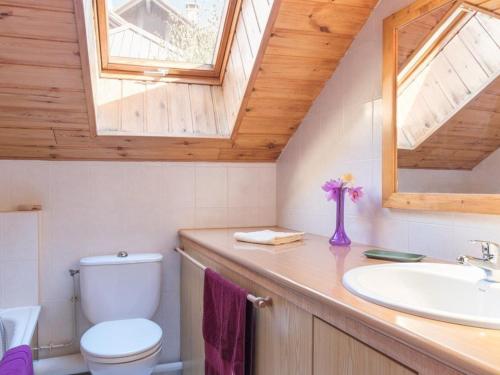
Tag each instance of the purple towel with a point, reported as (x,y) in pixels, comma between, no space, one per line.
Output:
(225,325)
(17,361)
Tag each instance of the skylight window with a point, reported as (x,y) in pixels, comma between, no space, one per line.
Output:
(177,38)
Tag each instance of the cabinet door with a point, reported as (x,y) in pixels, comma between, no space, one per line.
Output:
(336,353)
(192,346)
(283,334)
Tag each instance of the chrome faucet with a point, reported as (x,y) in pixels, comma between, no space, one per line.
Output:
(490,261)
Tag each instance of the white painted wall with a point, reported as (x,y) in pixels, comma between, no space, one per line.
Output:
(433,181)
(94,208)
(483,179)
(342,133)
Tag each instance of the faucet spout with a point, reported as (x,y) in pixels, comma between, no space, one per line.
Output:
(489,263)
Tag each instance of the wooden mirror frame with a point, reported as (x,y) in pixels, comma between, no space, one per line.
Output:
(391,198)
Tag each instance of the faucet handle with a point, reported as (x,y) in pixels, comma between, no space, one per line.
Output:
(490,249)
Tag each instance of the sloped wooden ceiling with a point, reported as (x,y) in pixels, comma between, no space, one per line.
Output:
(46,110)
(465,140)
(413,34)
(473,133)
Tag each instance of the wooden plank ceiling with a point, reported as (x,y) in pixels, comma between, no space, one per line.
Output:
(44,113)
(465,140)
(468,137)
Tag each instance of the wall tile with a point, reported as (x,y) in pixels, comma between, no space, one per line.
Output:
(249,217)
(211,187)
(19,246)
(18,236)
(211,217)
(96,208)
(19,280)
(243,187)
(436,241)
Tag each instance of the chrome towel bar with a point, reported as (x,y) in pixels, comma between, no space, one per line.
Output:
(258,302)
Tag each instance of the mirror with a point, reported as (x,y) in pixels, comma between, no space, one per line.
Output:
(448,102)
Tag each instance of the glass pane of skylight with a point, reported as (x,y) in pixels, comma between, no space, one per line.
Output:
(170,31)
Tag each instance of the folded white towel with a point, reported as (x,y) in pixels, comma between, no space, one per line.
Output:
(269,237)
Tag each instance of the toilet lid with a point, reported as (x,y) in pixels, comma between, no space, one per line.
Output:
(121,338)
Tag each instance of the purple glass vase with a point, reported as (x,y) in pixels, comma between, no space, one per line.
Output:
(340,238)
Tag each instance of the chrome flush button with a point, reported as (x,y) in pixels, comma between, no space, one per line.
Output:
(122,254)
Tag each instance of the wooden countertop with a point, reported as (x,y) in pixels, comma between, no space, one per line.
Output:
(313,268)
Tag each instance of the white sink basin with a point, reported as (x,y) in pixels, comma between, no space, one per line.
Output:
(451,293)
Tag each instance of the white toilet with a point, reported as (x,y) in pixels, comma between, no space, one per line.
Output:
(119,294)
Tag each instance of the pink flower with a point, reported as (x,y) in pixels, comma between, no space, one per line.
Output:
(332,189)
(332,184)
(355,193)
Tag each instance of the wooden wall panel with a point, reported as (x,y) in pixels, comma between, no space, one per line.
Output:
(108,106)
(220,113)
(202,110)
(133,117)
(180,119)
(157,108)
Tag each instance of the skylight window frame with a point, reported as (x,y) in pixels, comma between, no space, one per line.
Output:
(134,68)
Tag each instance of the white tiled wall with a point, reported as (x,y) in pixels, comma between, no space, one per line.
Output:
(92,208)
(18,259)
(342,133)
(484,178)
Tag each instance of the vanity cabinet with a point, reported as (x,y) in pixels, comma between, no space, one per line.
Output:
(289,340)
(336,353)
(283,334)
(301,332)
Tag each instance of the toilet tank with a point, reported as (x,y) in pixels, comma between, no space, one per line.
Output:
(123,286)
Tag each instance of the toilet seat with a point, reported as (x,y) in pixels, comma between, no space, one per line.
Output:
(121,341)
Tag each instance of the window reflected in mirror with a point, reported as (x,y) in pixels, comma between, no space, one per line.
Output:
(448,102)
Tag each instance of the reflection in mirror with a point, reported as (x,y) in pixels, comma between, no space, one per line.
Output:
(448,103)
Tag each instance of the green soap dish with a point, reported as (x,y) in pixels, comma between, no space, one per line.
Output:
(393,256)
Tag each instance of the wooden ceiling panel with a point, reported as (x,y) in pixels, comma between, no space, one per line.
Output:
(323,17)
(60,5)
(29,137)
(319,45)
(263,125)
(46,99)
(40,77)
(108,153)
(413,34)
(42,52)
(43,90)
(37,23)
(316,35)
(42,119)
(464,141)
(279,67)
(285,88)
